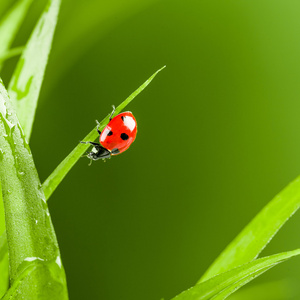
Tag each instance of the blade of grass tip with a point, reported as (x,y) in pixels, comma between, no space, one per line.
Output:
(10,25)
(26,82)
(258,233)
(222,285)
(31,239)
(52,182)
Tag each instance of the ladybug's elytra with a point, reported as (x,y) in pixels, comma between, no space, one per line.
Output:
(116,136)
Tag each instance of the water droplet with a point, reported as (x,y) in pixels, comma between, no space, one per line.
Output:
(58,261)
(33,258)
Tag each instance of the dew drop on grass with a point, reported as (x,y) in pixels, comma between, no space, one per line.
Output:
(33,258)
(58,261)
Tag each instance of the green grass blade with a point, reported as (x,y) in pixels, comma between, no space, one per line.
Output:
(26,82)
(65,166)
(10,25)
(31,239)
(258,233)
(4,278)
(221,286)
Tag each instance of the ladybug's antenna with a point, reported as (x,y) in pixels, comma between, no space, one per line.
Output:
(112,113)
(98,125)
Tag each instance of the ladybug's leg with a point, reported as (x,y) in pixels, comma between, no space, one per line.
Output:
(112,113)
(98,124)
(92,143)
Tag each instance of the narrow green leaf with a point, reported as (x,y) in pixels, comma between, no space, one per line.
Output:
(31,238)
(65,166)
(26,82)
(221,286)
(10,25)
(258,233)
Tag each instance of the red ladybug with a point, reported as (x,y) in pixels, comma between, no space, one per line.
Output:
(116,136)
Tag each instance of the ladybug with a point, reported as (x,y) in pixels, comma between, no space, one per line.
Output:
(116,137)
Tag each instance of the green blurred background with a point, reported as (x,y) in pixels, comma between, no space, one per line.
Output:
(218,137)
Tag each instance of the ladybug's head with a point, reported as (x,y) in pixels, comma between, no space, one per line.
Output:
(99,152)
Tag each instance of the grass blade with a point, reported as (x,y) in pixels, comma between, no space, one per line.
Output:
(258,233)
(65,166)
(26,82)
(30,235)
(10,25)
(221,286)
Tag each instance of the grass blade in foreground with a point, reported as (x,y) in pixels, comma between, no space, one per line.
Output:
(52,182)
(26,82)
(34,258)
(257,234)
(10,25)
(222,285)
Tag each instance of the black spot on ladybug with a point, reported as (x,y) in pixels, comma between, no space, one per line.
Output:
(122,118)
(110,133)
(124,136)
